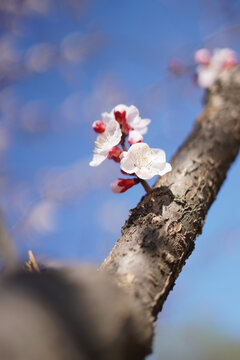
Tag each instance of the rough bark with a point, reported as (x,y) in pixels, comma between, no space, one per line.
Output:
(83,314)
(160,232)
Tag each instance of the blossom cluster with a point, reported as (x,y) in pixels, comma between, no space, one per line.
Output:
(139,161)
(209,67)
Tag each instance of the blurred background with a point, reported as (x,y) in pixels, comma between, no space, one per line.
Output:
(63,63)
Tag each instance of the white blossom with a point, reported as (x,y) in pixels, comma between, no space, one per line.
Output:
(202,56)
(206,75)
(106,141)
(210,67)
(134,121)
(221,57)
(144,161)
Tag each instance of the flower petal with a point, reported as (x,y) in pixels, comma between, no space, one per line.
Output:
(139,124)
(159,155)
(206,75)
(127,165)
(145,173)
(166,169)
(106,141)
(144,162)
(114,131)
(132,113)
(134,137)
(139,149)
(202,56)
(107,117)
(97,159)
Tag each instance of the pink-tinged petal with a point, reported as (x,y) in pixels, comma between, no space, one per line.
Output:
(122,155)
(208,71)
(115,187)
(202,56)
(220,56)
(231,60)
(134,137)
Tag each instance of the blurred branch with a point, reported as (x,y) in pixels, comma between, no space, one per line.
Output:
(8,252)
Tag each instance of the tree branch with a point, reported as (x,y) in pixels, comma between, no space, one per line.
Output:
(159,235)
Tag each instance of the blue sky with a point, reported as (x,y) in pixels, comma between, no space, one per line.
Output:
(129,45)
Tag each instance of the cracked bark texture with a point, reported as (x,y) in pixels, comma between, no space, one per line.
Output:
(160,232)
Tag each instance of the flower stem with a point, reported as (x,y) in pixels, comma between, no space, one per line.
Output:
(124,147)
(146,186)
(123,142)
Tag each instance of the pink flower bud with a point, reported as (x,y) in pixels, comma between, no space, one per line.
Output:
(230,61)
(120,116)
(134,137)
(176,67)
(121,185)
(202,56)
(114,154)
(99,126)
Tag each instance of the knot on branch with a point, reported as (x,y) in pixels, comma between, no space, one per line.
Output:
(151,204)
